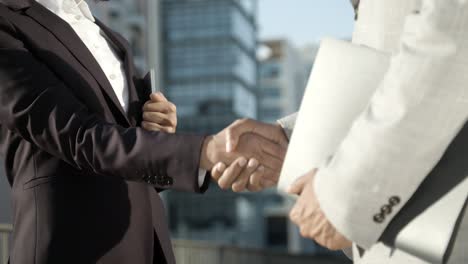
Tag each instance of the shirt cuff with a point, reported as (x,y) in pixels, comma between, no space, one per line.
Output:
(201,177)
(287,123)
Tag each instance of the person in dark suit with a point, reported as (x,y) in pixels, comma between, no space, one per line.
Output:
(85,175)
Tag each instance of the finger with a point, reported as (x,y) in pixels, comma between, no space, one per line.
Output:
(308,231)
(264,178)
(269,183)
(256,179)
(218,171)
(158,97)
(271,176)
(298,185)
(241,183)
(156,127)
(232,173)
(161,107)
(155,117)
(274,149)
(321,233)
(235,131)
(270,162)
(253,188)
(160,118)
(295,214)
(152,126)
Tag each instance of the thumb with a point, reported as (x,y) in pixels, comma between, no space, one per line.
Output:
(158,97)
(235,131)
(298,185)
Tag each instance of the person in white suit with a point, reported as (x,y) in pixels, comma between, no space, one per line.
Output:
(418,110)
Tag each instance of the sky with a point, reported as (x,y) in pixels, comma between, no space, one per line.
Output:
(305,21)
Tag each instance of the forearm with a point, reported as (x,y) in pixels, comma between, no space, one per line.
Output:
(414,115)
(38,106)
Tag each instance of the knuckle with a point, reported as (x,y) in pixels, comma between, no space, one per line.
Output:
(223,185)
(173,121)
(240,122)
(236,188)
(216,174)
(240,186)
(170,106)
(293,215)
(145,106)
(257,180)
(332,247)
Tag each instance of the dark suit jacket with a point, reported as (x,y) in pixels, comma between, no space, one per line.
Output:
(83,174)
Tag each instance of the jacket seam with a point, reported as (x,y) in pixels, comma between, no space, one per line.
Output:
(36,214)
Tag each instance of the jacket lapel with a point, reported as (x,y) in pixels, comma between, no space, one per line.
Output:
(67,36)
(17,4)
(134,110)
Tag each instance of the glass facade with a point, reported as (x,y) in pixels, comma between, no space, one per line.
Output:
(210,73)
(210,65)
(271,89)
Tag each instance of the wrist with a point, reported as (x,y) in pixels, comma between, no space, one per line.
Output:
(285,135)
(206,162)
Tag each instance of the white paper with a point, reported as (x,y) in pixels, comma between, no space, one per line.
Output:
(343,80)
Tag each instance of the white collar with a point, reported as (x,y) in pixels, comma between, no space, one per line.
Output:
(59,6)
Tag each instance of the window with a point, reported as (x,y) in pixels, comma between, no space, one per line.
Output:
(277,231)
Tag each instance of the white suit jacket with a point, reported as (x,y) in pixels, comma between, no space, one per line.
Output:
(418,109)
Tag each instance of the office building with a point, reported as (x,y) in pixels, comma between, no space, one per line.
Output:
(284,71)
(210,68)
(210,72)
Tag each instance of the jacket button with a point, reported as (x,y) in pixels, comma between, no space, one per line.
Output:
(169,181)
(154,181)
(147,179)
(379,218)
(395,200)
(386,210)
(160,181)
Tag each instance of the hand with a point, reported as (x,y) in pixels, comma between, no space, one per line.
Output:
(311,220)
(250,178)
(274,133)
(266,152)
(159,114)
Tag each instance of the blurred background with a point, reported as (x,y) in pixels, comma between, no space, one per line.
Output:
(220,60)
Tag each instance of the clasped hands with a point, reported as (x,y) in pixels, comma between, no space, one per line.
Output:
(248,155)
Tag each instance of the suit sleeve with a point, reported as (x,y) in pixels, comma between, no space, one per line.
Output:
(287,123)
(416,112)
(39,107)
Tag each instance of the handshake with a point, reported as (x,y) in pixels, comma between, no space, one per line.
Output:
(247,155)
